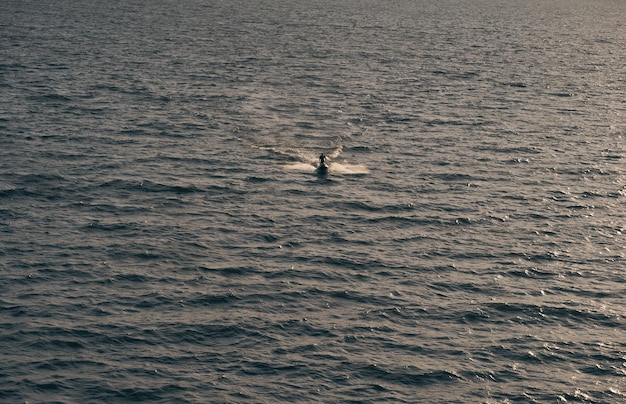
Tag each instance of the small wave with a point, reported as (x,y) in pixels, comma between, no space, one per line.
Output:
(7,189)
(292,153)
(52,97)
(148,186)
(409,376)
(299,166)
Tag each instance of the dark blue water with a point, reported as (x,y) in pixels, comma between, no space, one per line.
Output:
(164,238)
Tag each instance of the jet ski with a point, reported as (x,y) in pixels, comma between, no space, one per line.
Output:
(322,169)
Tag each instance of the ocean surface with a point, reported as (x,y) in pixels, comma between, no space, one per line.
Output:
(165,239)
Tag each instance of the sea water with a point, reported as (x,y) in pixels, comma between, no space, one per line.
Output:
(164,237)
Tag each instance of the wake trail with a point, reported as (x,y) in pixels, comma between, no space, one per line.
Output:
(306,160)
(292,153)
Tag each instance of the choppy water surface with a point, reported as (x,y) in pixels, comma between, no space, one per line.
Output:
(164,237)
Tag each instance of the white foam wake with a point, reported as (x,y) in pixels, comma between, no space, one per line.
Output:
(344,168)
(307,161)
